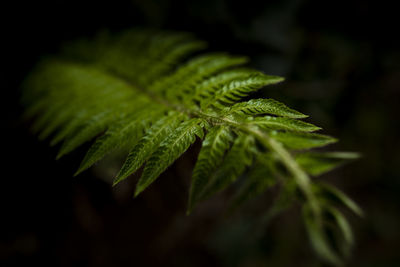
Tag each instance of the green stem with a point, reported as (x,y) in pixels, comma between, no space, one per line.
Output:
(301,178)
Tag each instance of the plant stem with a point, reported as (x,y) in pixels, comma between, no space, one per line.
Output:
(301,178)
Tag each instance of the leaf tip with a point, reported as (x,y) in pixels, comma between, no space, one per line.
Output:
(300,115)
(188,211)
(275,79)
(60,155)
(79,171)
(138,190)
(116,181)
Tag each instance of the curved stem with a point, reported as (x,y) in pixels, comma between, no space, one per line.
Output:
(301,178)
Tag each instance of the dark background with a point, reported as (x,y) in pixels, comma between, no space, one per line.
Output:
(342,66)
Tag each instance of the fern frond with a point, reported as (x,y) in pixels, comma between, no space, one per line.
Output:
(134,92)
(316,163)
(299,140)
(169,150)
(265,106)
(281,123)
(205,91)
(336,196)
(234,164)
(215,144)
(126,132)
(237,89)
(319,238)
(343,225)
(188,75)
(148,144)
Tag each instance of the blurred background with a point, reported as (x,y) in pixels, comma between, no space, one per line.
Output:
(341,60)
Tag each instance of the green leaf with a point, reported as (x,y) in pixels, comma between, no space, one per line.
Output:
(239,88)
(234,164)
(193,72)
(345,241)
(338,196)
(215,144)
(318,238)
(169,150)
(187,87)
(265,106)
(205,91)
(147,145)
(343,225)
(126,132)
(280,123)
(93,127)
(171,58)
(294,140)
(317,163)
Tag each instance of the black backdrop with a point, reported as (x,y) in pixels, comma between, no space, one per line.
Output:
(341,63)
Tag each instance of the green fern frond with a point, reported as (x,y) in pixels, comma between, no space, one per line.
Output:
(170,150)
(134,91)
(317,163)
(266,106)
(148,144)
(234,164)
(335,196)
(298,140)
(239,88)
(215,144)
(319,238)
(125,133)
(281,123)
(204,92)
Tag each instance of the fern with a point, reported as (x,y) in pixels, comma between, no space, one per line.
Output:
(132,91)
